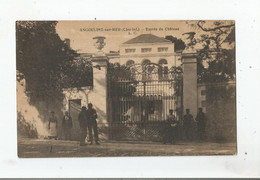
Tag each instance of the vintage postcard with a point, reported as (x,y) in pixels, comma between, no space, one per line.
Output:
(126,88)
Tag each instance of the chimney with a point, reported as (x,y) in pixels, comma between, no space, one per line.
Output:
(67,41)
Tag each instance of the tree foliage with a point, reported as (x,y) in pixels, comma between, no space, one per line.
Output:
(47,63)
(216,59)
(178,43)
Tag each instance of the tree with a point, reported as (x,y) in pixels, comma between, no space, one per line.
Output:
(216,59)
(47,63)
(178,43)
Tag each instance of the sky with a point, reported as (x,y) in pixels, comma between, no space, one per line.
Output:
(81,32)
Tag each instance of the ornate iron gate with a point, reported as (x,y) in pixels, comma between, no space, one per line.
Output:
(140,97)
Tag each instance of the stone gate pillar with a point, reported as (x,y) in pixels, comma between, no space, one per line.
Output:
(189,65)
(98,95)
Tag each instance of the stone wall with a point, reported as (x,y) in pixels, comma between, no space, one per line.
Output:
(219,105)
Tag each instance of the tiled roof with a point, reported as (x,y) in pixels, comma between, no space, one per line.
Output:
(146,38)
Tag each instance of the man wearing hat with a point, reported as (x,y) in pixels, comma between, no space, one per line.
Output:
(187,123)
(83,125)
(201,124)
(92,124)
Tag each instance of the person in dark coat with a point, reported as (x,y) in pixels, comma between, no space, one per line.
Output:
(92,124)
(170,128)
(83,125)
(201,124)
(67,125)
(187,123)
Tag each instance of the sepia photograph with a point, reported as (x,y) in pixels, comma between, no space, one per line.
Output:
(126,88)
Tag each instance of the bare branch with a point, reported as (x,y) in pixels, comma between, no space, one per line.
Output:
(213,29)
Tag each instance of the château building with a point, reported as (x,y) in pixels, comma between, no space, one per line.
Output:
(147,48)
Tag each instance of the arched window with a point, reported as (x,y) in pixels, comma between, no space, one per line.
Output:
(146,73)
(163,69)
(129,62)
(146,61)
(162,61)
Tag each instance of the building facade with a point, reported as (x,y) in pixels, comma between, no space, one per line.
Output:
(143,92)
(148,48)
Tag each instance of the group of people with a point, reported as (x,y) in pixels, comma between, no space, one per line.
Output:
(171,129)
(188,124)
(87,122)
(66,126)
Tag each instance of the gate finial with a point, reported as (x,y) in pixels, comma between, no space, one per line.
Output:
(190,42)
(99,44)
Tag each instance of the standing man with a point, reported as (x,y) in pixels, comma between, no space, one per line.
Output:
(187,122)
(201,124)
(53,126)
(83,125)
(67,125)
(170,129)
(92,124)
